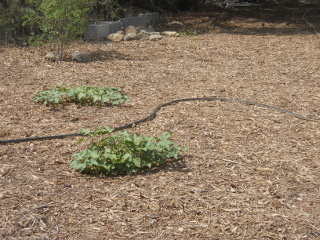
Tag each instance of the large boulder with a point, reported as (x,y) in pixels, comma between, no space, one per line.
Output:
(80,57)
(131,29)
(142,36)
(130,37)
(170,34)
(116,37)
(155,37)
(142,28)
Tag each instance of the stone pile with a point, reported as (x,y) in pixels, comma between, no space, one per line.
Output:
(140,33)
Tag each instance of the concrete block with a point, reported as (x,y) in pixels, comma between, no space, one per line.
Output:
(125,22)
(153,18)
(100,30)
(138,21)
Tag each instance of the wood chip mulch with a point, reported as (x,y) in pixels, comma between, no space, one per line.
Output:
(250,172)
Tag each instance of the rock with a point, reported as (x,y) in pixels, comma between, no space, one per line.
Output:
(116,37)
(170,33)
(80,57)
(150,29)
(142,36)
(52,57)
(130,37)
(152,33)
(155,37)
(142,28)
(131,29)
(176,23)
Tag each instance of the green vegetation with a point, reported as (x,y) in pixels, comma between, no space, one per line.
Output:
(54,21)
(188,32)
(59,22)
(124,153)
(81,95)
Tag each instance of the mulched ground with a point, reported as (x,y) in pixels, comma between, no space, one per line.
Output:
(250,172)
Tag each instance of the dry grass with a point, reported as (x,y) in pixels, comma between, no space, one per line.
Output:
(250,173)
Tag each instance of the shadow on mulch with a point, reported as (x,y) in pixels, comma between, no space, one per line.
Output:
(101,56)
(64,106)
(266,19)
(172,165)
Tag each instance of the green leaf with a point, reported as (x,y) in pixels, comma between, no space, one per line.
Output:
(137,162)
(105,98)
(127,156)
(108,129)
(108,155)
(81,95)
(93,154)
(96,98)
(85,131)
(82,140)
(79,167)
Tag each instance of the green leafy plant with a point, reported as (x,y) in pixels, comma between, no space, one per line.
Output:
(188,32)
(82,95)
(124,153)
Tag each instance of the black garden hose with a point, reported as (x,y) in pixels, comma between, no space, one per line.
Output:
(153,114)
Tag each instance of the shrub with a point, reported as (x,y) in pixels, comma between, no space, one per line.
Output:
(12,14)
(124,153)
(57,21)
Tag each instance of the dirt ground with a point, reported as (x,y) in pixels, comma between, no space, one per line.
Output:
(250,172)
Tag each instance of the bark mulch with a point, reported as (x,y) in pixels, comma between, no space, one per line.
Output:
(250,172)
